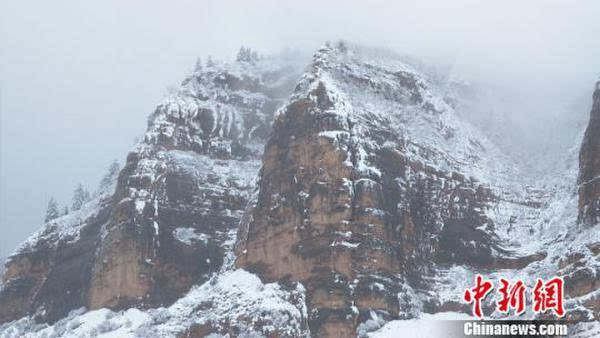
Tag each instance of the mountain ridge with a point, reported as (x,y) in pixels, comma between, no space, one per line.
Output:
(374,203)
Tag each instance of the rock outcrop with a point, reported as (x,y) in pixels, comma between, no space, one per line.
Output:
(589,166)
(183,192)
(175,209)
(49,274)
(374,202)
(367,183)
(580,261)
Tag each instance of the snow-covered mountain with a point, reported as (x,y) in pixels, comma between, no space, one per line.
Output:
(174,212)
(371,208)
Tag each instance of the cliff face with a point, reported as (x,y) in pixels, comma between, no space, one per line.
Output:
(50,273)
(374,202)
(175,208)
(182,194)
(581,265)
(367,183)
(589,166)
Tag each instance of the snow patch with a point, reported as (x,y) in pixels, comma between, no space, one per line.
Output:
(427,326)
(189,236)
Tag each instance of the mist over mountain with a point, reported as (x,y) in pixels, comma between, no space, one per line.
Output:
(345,195)
(293,170)
(64,63)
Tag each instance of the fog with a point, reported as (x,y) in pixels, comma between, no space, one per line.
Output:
(79,78)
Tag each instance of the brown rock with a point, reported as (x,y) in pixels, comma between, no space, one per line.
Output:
(589,166)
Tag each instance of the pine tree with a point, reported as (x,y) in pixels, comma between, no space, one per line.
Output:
(111,176)
(65,210)
(341,46)
(246,54)
(198,66)
(51,210)
(80,197)
(209,62)
(242,55)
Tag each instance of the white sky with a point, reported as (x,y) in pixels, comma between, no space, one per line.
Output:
(79,78)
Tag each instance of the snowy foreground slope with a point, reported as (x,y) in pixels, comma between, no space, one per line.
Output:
(233,297)
(372,208)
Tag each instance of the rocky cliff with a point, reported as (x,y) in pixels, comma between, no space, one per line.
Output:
(589,166)
(175,209)
(368,182)
(372,203)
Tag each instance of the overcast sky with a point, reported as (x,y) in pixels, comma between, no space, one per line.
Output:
(78,78)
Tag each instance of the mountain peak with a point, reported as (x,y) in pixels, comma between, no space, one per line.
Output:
(223,102)
(364,199)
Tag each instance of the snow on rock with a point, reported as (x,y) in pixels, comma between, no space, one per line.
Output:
(426,326)
(222,104)
(377,90)
(471,206)
(195,168)
(65,228)
(79,323)
(215,174)
(209,136)
(586,330)
(189,235)
(374,88)
(236,301)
